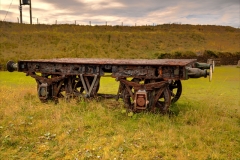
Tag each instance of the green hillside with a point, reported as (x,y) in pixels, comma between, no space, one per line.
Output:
(24,41)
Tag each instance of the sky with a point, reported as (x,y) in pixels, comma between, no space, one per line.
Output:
(125,12)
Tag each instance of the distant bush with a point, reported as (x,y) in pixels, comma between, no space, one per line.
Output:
(210,54)
(164,55)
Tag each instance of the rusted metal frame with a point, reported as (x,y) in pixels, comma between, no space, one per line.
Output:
(68,87)
(58,88)
(151,96)
(120,89)
(132,84)
(83,82)
(172,72)
(38,87)
(95,86)
(87,82)
(44,82)
(76,85)
(129,84)
(157,96)
(138,86)
(126,96)
(49,81)
(66,68)
(167,101)
(130,92)
(55,90)
(92,85)
(150,87)
(143,94)
(106,61)
(149,72)
(133,71)
(90,88)
(70,84)
(41,86)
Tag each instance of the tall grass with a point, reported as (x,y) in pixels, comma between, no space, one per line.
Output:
(204,124)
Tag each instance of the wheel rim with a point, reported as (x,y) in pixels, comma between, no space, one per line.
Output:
(162,104)
(126,96)
(176,90)
(164,101)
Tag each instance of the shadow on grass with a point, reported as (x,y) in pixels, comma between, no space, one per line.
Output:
(182,107)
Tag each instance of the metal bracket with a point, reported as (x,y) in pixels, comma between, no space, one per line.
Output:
(43,91)
(88,92)
(141,100)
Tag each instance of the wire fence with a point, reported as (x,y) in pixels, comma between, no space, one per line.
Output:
(35,20)
(87,23)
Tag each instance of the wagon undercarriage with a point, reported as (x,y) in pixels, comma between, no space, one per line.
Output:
(143,84)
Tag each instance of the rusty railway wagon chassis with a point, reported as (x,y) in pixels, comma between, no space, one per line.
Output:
(144,84)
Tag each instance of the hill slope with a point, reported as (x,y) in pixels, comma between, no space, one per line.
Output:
(23,41)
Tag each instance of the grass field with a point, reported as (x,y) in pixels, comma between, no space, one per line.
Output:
(23,41)
(205,123)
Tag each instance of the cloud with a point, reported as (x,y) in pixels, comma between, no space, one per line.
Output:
(63,4)
(141,12)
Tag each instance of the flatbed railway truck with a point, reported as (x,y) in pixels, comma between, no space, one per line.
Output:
(145,84)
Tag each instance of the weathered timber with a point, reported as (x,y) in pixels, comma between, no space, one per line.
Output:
(145,84)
